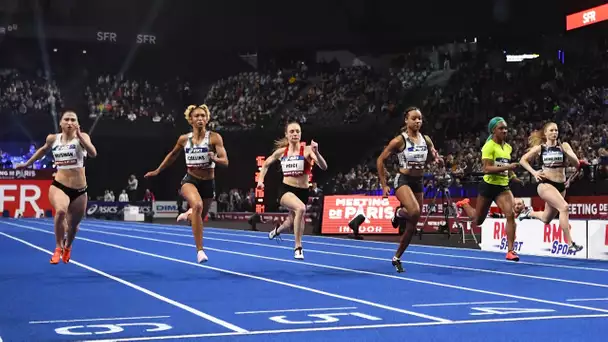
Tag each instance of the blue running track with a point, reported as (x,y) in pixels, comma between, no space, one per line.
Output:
(141,282)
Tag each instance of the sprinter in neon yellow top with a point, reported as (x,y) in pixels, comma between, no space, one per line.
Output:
(500,155)
(498,170)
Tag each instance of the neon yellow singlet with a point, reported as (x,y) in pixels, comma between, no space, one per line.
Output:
(501,156)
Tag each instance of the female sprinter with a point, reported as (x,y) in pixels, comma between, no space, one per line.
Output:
(68,192)
(412,149)
(198,185)
(498,171)
(296,164)
(551,178)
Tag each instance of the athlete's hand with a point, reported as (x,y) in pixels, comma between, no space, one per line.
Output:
(78,132)
(260,185)
(539,176)
(513,166)
(314,146)
(212,156)
(151,174)
(386,191)
(20,166)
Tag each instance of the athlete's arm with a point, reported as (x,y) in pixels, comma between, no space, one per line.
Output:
(271,159)
(393,146)
(570,154)
(313,152)
(220,157)
(50,140)
(434,155)
(170,158)
(525,159)
(85,141)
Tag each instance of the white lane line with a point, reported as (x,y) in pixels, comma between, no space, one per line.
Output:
(268,280)
(462,268)
(97,319)
(295,310)
(467,303)
(500,294)
(586,299)
(139,288)
(355,327)
(456,256)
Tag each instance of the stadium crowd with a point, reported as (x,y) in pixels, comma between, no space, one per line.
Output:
(526,94)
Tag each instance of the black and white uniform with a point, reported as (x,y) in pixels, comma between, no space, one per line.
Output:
(69,155)
(412,157)
(553,157)
(197,158)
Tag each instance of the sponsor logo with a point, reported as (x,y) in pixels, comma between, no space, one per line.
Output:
(29,197)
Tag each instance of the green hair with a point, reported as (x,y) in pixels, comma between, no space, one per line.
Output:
(492,124)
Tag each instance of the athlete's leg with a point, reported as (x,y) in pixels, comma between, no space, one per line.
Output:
(190,192)
(555,200)
(76,211)
(505,202)
(60,202)
(185,215)
(480,212)
(280,228)
(413,207)
(290,201)
(545,216)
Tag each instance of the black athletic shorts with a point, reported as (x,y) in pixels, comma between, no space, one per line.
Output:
(301,193)
(491,191)
(206,188)
(561,187)
(72,193)
(414,182)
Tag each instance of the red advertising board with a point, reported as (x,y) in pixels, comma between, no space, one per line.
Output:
(339,210)
(587,17)
(28,196)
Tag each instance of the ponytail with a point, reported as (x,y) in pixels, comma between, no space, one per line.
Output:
(536,138)
(281,143)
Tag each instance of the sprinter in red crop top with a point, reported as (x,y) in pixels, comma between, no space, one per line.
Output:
(296,163)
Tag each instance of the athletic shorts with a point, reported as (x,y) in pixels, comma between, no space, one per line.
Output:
(301,193)
(491,191)
(414,182)
(72,193)
(205,187)
(561,187)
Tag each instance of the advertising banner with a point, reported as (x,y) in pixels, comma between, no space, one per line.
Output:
(598,240)
(27,196)
(587,17)
(165,209)
(114,210)
(533,237)
(265,217)
(339,210)
(44,174)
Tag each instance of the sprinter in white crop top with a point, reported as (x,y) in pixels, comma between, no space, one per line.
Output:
(68,192)
(414,151)
(203,150)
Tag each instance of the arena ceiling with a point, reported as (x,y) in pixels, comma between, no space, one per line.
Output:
(273,23)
